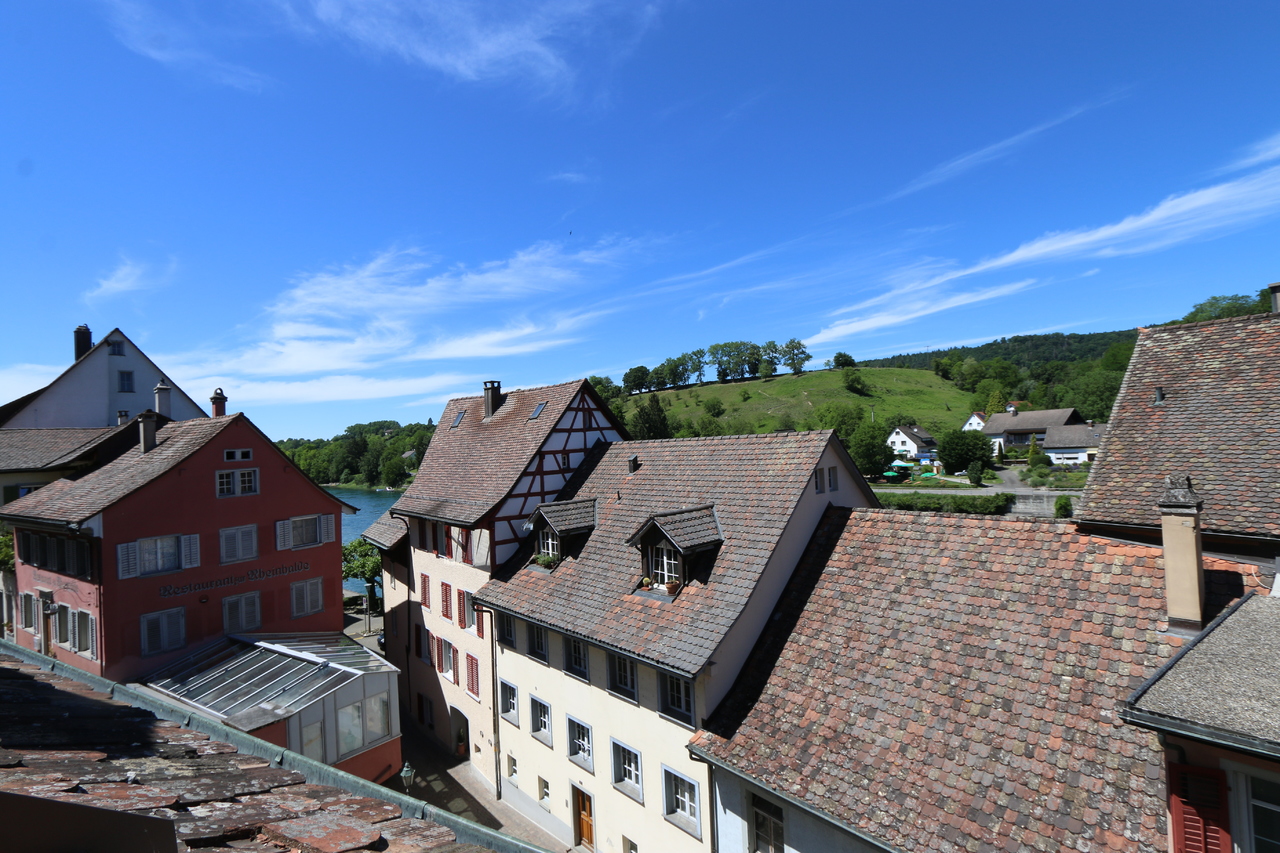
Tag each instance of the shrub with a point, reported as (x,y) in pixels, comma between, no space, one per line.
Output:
(853,382)
(744,394)
(995,504)
(975,473)
(1038,482)
(713,407)
(1062,507)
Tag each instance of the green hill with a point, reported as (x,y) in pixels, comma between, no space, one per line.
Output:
(1022,350)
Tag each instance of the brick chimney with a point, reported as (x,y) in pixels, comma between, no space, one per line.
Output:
(162,391)
(147,431)
(492,397)
(219,401)
(1183,555)
(84,340)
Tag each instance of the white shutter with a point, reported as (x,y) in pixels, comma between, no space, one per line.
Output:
(326,528)
(231,620)
(230,545)
(251,617)
(93,637)
(191,551)
(175,628)
(315,595)
(300,599)
(127,559)
(248,542)
(151,636)
(284,535)
(73,629)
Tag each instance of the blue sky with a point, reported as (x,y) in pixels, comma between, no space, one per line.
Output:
(349,210)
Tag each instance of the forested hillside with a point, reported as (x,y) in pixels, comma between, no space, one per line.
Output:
(372,454)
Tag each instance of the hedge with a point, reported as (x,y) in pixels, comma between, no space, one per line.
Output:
(993,504)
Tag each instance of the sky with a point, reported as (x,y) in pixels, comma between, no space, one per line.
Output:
(342,211)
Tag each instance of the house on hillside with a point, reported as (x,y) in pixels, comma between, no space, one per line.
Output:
(913,442)
(492,461)
(977,420)
(626,616)
(1071,445)
(1198,399)
(107,384)
(957,702)
(1013,428)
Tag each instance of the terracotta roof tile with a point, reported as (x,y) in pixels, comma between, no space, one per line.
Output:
(387,531)
(953,682)
(568,516)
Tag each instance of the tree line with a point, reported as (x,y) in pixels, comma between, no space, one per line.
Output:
(379,453)
(728,361)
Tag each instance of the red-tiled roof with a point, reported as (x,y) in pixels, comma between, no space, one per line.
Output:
(952,682)
(470,468)
(1219,422)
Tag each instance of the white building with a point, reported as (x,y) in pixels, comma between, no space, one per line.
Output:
(977,420)
(912,442)
(1071,445)
(625,619)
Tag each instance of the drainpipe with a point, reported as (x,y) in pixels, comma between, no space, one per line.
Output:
(481,610)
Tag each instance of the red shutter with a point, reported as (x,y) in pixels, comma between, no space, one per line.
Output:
(457,678)
(439,655)
(465,536)
(1198,806)
(422,534)
(473,675)
(479,621)
(462,608)
(417,640)
(448,542)
(446,600)
(424,590)
(436,537)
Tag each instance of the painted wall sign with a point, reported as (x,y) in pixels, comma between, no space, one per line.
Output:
(171,590)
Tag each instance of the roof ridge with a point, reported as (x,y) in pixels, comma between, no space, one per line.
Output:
(575,382)
(1217,321)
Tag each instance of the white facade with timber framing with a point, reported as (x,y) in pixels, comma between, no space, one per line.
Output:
(492,461)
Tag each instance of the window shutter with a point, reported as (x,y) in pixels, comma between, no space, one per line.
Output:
(127,559)
(1198,807)
(24,545)
(448,542)
(284,535)
(457,676)
(93,637)
(150,634)
(231,614)
(439,655)
(431,650)
(230,546)
(175,629)
(435,538)
(326,528)
(464,537)
(299,599)
(191,551)
(446,601)
(479,621)
(473,675)
(315,592)
(462,609)
(252,616)
(73,629)
(248,546)
(424,589)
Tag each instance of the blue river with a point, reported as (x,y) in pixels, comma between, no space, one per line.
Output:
(371,505)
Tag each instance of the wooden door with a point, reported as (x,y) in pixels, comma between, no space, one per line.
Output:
(583,820)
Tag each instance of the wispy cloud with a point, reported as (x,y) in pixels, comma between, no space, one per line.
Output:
(129,276)
(331,388)
(569,177)
(1261,152)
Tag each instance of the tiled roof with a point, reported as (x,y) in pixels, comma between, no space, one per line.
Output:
(105,753)
(1075,435)
(1002,422)
(919,433)
(387,531)
(1230,680)
(32,449)
(754,481)
(687,529)
(947,682)
(568,516)
(469,468)
(1218,422)
(78,500)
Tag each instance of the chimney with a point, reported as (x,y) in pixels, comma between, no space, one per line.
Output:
(84,340)
(147,430)
(162,390)
(219,401)
(633,464)
(1275,297)
(1183,557)
(122,416)
(492,397)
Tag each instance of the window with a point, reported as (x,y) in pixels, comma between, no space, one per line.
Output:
(457,420)
(680,800)
(125,384)
(377,717)
(313,740)
(350,728)
(62,625)
(622,676)
(238,543)
(664,564)
(513,770)
(575,657)
(473,676)
(507,630)
(157,554)
(393,623)
(508,703)
(241,613)
(549,543)
(1263,815)
(537,410)
(240,481)
(537,642)
(467,616)
(164,631)
(115,347)
(540,720)
(766,825)
(237,455)
(446,601)
(626,771)
(304,531)
(28,611)
(307,596)
(817,481)
(677,698)
(833,481)
(580,744)
(444,664)
(629,846)
(86,634)
(544,794)
(57,553)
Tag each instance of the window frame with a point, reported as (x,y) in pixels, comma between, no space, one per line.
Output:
(660,565)
(580,743)
(326,529)
(819,480)
(448,651)
(548,542)
(777,843)
(577,658)
(540,721)
(674,710)
(235,478)
(538,642)
(1240,800)
(690,820)
(473,676)
(506,629)
(314,588)
(508,690)
(115,347)
(833,478)
(631,788)
(124,382)
(614,661)
(237,454)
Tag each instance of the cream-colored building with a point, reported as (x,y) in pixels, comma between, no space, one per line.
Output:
(627,615)
(492,461)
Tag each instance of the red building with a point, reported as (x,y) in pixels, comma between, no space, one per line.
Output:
(202,530)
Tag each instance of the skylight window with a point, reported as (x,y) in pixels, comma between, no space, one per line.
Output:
(458,419)
(538,410)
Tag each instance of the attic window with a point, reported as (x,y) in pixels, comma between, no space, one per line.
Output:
(537,411)
(115,347)
(237,455)
(664,564)
(458,419)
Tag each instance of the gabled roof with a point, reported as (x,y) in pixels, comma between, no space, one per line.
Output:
(951,682)
(1075,435)
(1217,422)
(567,516)
(688,529)
(1003,422)
(387,531)
(34,449)
(917,432)
(754,481)
(469,468)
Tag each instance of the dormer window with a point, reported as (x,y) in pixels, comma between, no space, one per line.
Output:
(548,543)
(664,564)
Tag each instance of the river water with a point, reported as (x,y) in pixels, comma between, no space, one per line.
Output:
(371,505)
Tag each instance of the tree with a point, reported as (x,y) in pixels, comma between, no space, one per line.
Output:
(844,418)
(360,559)
(393,470)
(842,360)
(770,354)
(636,379)
(870,449)
(767,369)
(958,449)
(659,378)
(974,472)
(1218,307)
(795,356)
(6,548)
(650,421)
(698,363)
(996,401)
(1062,507)
(853,382)
(713,407)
